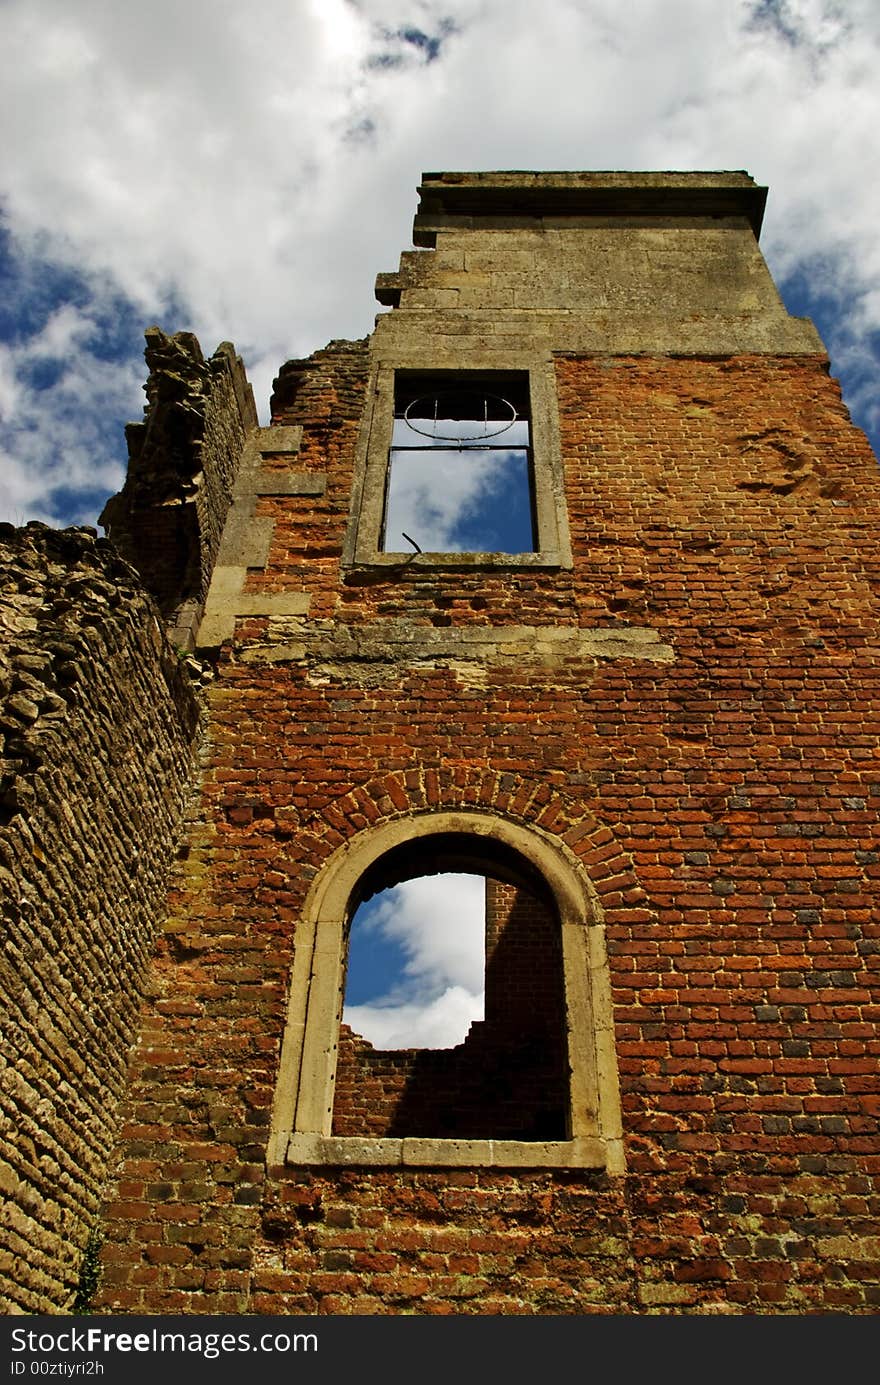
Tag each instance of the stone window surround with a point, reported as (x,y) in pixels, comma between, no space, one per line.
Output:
(553,545)
(301,1132)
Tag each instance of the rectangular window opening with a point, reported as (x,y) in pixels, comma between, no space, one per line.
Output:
(460,471)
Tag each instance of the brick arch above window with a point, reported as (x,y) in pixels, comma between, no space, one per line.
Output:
(302,1114)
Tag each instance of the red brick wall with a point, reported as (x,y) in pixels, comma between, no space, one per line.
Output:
(723,804)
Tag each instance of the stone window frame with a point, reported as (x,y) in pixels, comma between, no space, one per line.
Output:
(301,1130)
(361,547)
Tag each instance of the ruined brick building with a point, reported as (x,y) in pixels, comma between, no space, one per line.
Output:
(651,720)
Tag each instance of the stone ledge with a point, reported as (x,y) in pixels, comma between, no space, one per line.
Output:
(451,561)
(289,483)
(278,438)
(256,479)
(346,1151)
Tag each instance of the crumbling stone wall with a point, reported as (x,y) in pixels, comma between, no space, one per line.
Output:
(183,460)
(98,721)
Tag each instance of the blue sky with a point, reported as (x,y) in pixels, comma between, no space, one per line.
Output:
(245,172)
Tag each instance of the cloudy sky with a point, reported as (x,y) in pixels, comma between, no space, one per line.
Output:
(244,172)
(416,966)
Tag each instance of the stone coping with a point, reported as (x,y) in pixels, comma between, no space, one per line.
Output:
(528,194)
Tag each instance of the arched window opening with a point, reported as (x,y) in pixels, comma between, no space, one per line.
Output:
(533,1085)
(426,1058)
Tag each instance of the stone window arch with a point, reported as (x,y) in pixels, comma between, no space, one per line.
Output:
(302,1126)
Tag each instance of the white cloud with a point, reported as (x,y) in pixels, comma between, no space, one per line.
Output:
(244,172)
(439,923)
(55,396)
(441,1022)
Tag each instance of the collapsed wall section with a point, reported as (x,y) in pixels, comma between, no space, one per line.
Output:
(183,460)
(98,720)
